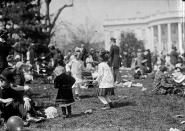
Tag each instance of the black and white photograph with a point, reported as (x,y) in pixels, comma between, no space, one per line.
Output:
(92,65)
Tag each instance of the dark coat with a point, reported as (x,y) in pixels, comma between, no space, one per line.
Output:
(32,56)
(149,61)
(84,54)
(173,57)
(16,107)
(64,84)
(114,56)
(11,93)
(4,51)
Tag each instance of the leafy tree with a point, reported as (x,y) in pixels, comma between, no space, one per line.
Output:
(129,45)
(24,22)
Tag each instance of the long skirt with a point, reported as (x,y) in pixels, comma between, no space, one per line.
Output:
(105,91)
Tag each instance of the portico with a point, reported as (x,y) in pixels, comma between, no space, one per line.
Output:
(159,31)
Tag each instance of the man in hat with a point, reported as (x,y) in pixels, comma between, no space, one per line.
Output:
(147,56)
(115,61)
(139,58)
(173,56)
(84,52)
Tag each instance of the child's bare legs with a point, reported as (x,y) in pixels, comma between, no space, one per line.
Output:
(76,90)
(109,101)
(66,111)
(103,100)
(106,101)
(69,111)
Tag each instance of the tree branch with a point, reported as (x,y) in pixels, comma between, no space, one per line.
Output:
(57,15)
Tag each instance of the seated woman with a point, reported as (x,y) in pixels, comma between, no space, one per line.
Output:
(137,73)
(18,77)
(144,68)
(14,103)
(163,83)
(179,78)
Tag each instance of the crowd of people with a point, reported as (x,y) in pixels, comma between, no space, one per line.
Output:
(168,71)
(67,73)
(145,62)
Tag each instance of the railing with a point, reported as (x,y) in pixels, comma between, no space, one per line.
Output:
(145,19)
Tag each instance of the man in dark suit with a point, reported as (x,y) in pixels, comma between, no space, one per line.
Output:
(84,53)
(115,59)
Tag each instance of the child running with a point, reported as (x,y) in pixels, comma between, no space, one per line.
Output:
(106,82)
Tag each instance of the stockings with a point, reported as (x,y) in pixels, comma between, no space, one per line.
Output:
(66,110)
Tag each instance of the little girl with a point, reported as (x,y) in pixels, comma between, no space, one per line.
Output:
(76,67)
(106,81)
(63,83)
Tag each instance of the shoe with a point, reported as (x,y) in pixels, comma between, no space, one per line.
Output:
(26,123)
(106,107)
(64,116)
(34,119)
(69,116)
(77,98)
(111,105)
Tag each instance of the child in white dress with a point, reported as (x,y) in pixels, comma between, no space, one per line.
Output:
(106,82)
(76,67)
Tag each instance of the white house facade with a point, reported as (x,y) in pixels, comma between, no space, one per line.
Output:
(159,31)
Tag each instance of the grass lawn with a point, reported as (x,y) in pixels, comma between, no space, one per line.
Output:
(139,111)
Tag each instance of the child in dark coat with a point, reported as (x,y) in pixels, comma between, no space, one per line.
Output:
(63,83)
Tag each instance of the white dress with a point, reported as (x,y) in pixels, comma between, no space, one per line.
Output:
(105,76)
(76,67)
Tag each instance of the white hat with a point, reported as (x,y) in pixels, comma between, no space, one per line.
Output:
(178,77)
(19,64)
(17,57)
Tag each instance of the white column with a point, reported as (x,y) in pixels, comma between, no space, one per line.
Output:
(169,38)
(117,35)
(180,37)
(159,38)
(152,37)
(107,37)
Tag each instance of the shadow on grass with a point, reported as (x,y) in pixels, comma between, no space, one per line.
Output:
(77,115)
(122,104)
(87,96)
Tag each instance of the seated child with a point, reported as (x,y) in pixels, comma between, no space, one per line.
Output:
(137,73)
(163,83)
(178,77)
